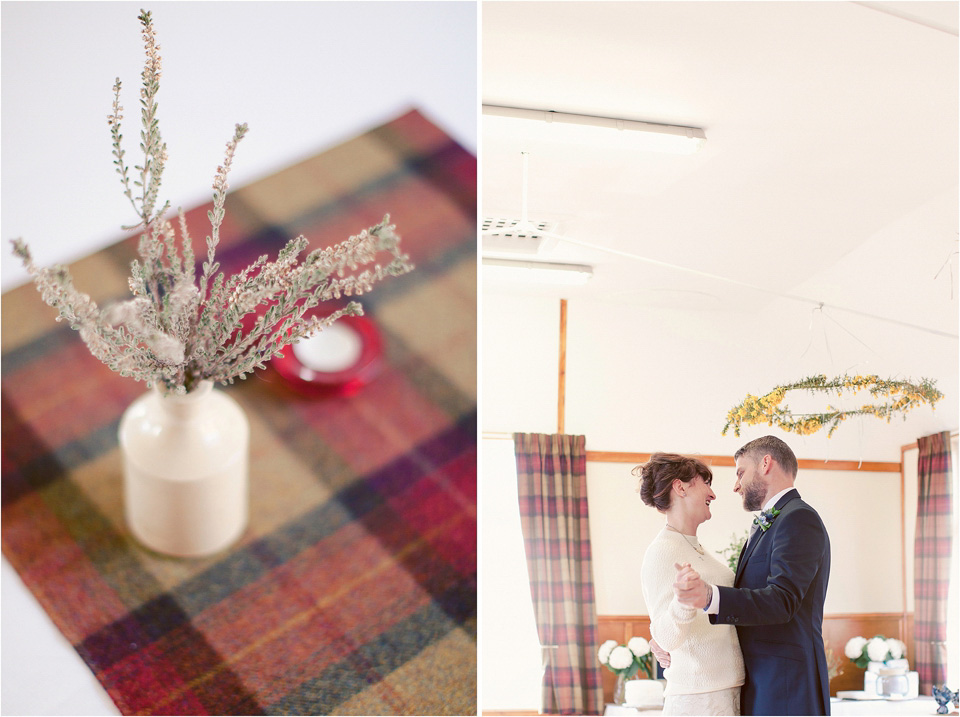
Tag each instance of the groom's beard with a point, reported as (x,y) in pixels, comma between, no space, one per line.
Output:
(753,496)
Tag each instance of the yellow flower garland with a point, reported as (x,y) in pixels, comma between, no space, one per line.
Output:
(767,408)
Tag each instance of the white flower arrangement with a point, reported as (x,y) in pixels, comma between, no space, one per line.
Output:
(638,646)
(627,660)
(604,652)
(620,658)
(176,331)
(877,649)
(862,651)
(854,647)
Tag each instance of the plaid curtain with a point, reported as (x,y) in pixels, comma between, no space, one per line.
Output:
(931,554)
(552,488)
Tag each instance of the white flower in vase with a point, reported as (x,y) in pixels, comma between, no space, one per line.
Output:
(620,658)
(638,646)
(854,647)
(603,654)
(877,649)
(895,648)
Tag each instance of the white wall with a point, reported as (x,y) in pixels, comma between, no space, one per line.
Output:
(520,358)
(910,510)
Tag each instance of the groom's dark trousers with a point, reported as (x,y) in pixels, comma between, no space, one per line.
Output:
(777,606)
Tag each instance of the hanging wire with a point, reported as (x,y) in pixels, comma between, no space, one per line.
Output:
(861,444)
(947,265)
(857,338)
(826,342)
(813,313)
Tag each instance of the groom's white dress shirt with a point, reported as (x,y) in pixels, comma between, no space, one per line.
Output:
(714,607)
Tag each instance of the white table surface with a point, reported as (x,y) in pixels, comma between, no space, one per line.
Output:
(612,709)
(42,673)
(311,90)
(919,706)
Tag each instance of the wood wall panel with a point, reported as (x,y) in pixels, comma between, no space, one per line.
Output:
(837,629)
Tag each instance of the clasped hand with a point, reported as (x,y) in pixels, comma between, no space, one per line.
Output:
(689,588)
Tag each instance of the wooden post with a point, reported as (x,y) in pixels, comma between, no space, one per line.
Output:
(562,383)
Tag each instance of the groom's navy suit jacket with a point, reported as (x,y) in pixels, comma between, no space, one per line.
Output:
(776,604)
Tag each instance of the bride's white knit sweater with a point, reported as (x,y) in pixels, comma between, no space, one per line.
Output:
(703,657)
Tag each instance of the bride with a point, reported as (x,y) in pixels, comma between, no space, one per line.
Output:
(705,670)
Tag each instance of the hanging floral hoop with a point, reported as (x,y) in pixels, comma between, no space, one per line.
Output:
(767,409)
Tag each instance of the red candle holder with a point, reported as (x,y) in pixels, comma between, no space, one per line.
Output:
(309,381)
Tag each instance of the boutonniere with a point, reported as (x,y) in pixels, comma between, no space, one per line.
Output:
(765,519)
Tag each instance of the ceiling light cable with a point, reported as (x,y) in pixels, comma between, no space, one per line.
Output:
(754,287)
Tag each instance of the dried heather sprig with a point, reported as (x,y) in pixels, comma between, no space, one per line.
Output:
(217,213)
(154,148)
(175,334)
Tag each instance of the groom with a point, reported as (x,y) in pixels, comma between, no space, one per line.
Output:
(776,603)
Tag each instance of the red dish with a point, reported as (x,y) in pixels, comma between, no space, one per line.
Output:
(310,382)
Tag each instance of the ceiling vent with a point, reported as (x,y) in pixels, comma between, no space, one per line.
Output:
(514,236)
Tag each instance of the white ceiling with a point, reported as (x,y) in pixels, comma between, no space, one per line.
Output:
(829,173)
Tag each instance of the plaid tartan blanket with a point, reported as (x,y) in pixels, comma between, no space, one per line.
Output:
(353,590)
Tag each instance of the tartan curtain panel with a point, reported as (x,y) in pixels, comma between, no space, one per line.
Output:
(931,552)
(552,490)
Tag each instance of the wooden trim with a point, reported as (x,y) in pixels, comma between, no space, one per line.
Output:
(616,457)
(562,378)
(867,466)
(623,618)
(502,713)
(808,464)
(861,616)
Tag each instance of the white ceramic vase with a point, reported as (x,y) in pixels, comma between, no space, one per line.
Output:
(185,464)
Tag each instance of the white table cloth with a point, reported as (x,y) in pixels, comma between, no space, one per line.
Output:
(919,706)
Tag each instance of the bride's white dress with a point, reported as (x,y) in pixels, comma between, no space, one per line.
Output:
(719,702)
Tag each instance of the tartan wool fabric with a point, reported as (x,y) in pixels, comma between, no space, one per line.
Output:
(931,553)
(552,491)
(353,589)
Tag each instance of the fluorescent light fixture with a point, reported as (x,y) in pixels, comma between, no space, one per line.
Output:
(605,131)
(541,272)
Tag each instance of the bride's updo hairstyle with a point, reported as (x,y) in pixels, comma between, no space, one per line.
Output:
(658,474)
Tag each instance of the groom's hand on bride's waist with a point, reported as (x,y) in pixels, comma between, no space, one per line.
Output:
(663,657)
